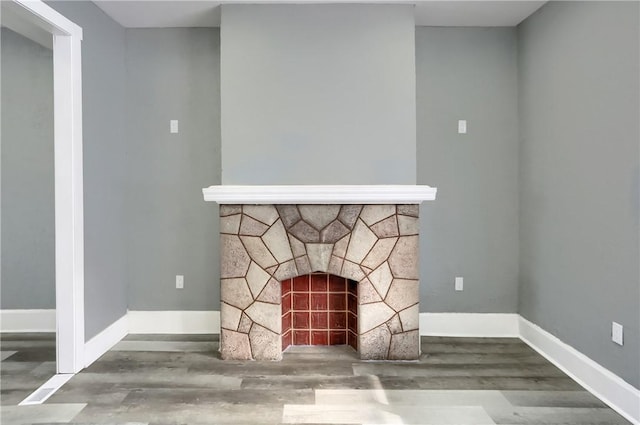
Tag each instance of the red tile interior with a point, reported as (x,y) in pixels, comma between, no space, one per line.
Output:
(319,309)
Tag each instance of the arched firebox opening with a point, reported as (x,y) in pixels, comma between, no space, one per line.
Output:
(319,309)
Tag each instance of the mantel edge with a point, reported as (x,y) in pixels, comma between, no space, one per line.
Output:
(319,194)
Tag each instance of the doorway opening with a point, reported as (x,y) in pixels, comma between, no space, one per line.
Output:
(38,21)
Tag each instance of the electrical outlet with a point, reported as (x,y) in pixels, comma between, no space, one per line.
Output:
(459,283)
(617,333)
(173,126)
(179,282)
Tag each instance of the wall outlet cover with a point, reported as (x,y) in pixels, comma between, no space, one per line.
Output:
(617,333)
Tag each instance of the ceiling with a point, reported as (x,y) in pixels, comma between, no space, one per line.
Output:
(206,13)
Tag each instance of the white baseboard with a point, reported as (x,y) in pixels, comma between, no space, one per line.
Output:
(28,320)
(174,322)
(434,324)
(604,384)
(481,325)
(101,343)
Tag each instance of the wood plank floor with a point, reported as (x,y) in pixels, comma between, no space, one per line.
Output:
(28,361)
(180,379)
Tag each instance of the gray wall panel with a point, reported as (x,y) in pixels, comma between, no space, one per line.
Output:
(471,230)
(579,126)
(173,74)
(28,241)
(104,145)
(318,94)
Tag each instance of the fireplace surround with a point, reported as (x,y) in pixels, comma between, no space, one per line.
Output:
(273,234)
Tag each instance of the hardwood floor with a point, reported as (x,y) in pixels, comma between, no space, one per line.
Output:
(180,379)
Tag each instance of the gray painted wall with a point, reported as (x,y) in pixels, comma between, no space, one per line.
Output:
(471,230)
(28,243)
(318,94)
(579,109)
(173,74)
(103,95)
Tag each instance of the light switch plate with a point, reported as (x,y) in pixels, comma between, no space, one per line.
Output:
(459,283)
(173,126)
(617,333)
(462,126)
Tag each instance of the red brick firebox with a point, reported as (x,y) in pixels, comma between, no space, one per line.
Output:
(319,309)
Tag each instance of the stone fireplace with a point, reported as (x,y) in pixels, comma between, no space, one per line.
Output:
(274,239)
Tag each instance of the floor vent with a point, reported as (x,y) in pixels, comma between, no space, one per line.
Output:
(46,390)
(38,396)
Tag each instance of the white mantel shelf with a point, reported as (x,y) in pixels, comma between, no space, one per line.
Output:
(306,194)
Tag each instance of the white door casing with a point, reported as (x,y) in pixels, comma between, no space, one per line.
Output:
(69,224)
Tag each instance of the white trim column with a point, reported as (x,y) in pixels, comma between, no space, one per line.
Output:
(69,222)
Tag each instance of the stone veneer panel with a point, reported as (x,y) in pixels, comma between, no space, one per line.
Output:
(374,245)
